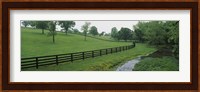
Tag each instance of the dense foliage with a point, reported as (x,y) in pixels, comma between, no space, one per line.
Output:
(93,30)
(125,34)
(66,25)
(159,33)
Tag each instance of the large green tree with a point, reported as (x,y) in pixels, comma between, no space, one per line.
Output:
(172,29)
(85,28)
(66,25)
(139,31)
(41,25)
(125,34)
(114,33)
(155,34)
(93,30)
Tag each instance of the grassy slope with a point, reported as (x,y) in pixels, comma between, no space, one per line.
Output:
(34,43)
(106,62)
(166,63)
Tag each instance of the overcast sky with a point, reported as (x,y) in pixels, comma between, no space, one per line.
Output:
(105,26)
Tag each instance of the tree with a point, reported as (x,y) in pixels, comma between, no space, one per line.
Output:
(102,33)
(25,23)
(76,31)
(125,34)
(33,24)
(114,33)
(85,28)
(172,29)
(155,34)
(139,31)
(41,25)
(165,33)
(66,25)
(93,30)
(52,29)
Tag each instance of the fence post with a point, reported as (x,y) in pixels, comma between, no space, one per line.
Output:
(92,54)
(100,52)
(71,57)
(106,51)
(83,55)
(56,59)
(111,50)
(37,62)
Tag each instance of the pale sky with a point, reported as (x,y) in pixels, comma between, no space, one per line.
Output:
(105,26)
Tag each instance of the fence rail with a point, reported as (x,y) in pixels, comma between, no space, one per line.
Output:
(69,57)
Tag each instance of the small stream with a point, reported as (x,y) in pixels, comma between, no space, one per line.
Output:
(128,66)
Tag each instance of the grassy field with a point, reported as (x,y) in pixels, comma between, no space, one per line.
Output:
(34,43)
(108,62)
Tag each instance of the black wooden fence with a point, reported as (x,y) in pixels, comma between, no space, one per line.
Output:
(70,57)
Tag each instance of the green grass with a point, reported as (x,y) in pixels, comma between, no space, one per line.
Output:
(34,43)
(108,62)
(165,63)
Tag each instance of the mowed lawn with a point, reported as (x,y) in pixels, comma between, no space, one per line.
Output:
(34,43)
(108,62)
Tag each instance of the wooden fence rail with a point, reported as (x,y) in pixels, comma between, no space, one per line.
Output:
(69,57)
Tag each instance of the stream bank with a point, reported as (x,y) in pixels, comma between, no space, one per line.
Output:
(162,55)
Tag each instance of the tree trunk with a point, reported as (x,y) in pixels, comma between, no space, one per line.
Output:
(66,32)
(53,37)
(85,37)
(42,31)
(66,29)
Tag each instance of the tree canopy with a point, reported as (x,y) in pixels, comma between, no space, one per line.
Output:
(41,25)
(25,23)
(125,34)
(66,25)
(85,28)
(159,33)
(93,30)
(114,33)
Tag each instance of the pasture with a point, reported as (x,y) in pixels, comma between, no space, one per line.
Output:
(34,43)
